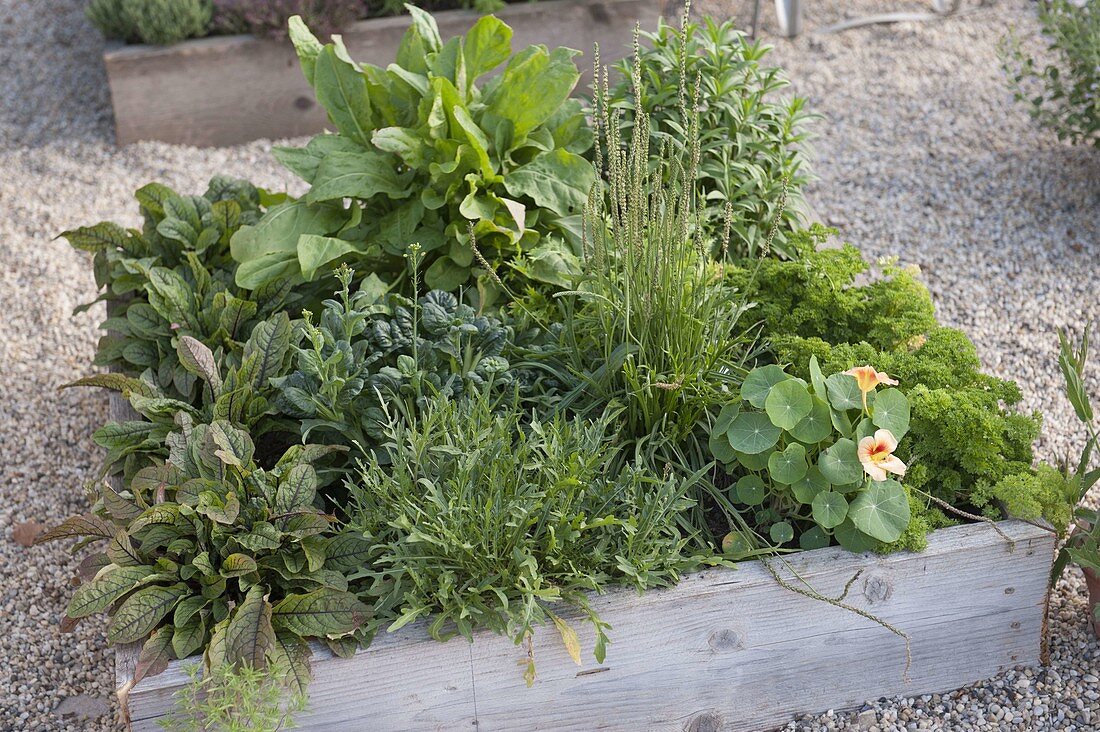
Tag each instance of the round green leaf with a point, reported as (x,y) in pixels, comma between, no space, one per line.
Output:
(751,490)
(813,538)
(891,412)
(788,466)
(815,426)
(758,384)
(830,509)
(844,392)
(865,428)
(781,532)
(752,433)
(840,463)
(728,413)
(812,483)
(841,422)
(852,539)
(881,510)
(753,462)
(788,403)
(720,448)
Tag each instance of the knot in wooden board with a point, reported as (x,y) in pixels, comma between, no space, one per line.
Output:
(726,639)
(709,721)
(877,588)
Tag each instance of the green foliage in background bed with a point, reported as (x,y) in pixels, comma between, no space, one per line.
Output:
(793,446)
(425,155)
(750,139)
(1064,95)
(481,521)
(159,22)
(174,278)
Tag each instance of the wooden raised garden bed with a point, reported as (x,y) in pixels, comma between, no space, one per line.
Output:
(226,90)
(722,650)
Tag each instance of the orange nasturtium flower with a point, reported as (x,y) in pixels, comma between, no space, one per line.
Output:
(876,453)
(867,379)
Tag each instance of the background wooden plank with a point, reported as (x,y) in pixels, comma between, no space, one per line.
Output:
(231,89)
(724,649)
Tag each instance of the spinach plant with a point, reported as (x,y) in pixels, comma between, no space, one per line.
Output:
(751,140)
(371,352)
(818,457)
(421,151)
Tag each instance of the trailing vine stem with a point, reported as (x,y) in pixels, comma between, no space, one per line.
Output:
(813,594)
(971,516)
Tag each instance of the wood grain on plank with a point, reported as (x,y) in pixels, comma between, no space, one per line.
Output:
(722,650)
(231,89)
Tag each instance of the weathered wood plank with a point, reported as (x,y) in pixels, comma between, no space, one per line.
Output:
(231,89)
(722,650)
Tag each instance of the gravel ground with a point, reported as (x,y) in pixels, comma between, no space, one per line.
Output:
(921,154)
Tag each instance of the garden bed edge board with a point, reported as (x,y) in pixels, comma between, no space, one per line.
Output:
(725,649)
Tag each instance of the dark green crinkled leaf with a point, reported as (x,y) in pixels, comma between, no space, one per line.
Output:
(141,613)
(321,613)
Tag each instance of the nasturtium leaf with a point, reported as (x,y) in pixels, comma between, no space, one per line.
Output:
(720,448)
(789,465)
(841,422)
(753,462)
(752,433)
(839,463)
(817,379)
(813,538)
(844,392)
(726,415)
(881,510)
(751,490)
(781,532)
(810,485)
(829,509)
(865,428)
(852,539)
(815,426)
(891,412)
(142,611)
(788,403)
(758,384)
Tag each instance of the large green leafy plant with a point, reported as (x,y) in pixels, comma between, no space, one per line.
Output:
(173,278)
(805,454)
(159,22)
(750,138)
(1062,95)
(425,155)
(208,551)
(370,352)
